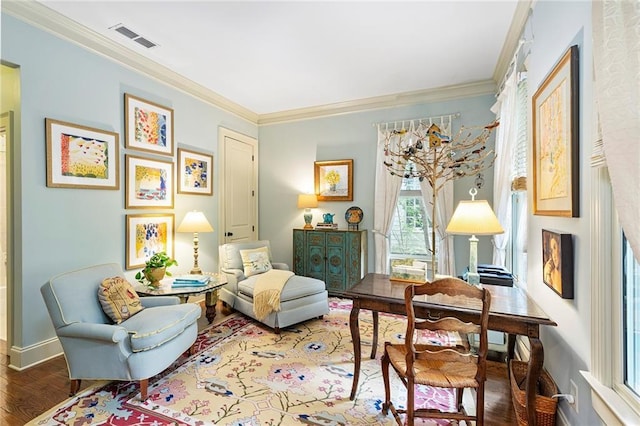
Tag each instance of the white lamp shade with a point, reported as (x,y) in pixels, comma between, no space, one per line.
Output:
(474,217)
(307,201)
(195,222)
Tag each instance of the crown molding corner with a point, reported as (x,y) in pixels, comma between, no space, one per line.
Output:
(46,19)
(512,40)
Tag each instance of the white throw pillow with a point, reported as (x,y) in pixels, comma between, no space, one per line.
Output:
(255,261)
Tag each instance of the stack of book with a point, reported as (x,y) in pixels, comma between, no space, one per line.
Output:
(191,280)
(323,225)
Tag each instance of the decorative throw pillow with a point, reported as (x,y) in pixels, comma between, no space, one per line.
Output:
(255,261)
(118,299)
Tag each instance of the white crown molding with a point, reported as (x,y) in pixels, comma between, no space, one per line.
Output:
(439,94)
(512,41)
(53,22)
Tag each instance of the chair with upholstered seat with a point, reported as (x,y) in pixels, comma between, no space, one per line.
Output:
(137,348)
(440,366)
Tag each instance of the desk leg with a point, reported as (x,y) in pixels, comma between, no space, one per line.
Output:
(374,341)
(511,350)
(533,374)
(355,338)
(210,301)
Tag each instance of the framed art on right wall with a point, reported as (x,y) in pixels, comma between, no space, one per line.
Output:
(556,140)
(557,261)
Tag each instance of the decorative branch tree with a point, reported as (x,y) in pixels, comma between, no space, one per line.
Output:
(428,154)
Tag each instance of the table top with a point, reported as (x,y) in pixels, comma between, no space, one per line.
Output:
(507,302)
(165,289)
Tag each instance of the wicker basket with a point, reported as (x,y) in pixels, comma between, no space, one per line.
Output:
(545,405)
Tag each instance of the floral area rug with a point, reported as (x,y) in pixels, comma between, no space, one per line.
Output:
(244,374)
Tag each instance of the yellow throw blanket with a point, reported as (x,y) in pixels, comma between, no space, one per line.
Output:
(266,294)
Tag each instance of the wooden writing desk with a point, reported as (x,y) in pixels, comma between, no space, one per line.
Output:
(512,312)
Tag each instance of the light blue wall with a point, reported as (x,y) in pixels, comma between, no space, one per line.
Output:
(65,229)
(556,26)
(288,152)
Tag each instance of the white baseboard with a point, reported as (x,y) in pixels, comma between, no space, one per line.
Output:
(23,358)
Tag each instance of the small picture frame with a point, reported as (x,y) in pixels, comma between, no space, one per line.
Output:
(195,172)
(557,262)
(334,180)
(148,183)
(148,234)
(81,157)
(556,140)
(148,126)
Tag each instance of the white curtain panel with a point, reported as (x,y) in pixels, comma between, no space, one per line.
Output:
(387,189)
(506,138)
(616,54)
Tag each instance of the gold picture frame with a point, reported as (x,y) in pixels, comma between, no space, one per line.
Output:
(195,172)
(334,180)
(148,183)
(148,234)
(148,126)
(81,157)
(556,140)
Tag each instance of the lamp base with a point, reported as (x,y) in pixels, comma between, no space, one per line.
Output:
(196,271)
(307,219)
(473,278)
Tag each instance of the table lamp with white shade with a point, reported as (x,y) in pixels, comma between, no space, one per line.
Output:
(195,222)
(474,217)
(307,202)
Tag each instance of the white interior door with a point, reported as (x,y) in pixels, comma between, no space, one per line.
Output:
(239,187)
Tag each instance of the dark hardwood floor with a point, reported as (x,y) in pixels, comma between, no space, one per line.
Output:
(27,394)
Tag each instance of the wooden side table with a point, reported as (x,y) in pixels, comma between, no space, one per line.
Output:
(210,292)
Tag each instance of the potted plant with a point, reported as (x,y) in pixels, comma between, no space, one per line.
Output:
(155,269)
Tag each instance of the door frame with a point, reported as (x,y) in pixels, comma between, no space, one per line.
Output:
(223,133)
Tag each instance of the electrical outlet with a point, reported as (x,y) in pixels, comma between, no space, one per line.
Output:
(574,392)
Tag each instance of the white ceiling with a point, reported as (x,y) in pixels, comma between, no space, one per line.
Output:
(274,56)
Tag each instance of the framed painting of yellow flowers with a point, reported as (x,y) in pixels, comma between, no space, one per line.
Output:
(195,172)
(334,180)
(81,156)
(148,234)
(149,183)
(148,126)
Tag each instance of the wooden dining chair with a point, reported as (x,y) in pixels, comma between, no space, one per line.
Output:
(440,366)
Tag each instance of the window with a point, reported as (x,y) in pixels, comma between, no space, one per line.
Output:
(615,287)
(410,229)
(517,248)
(631,319)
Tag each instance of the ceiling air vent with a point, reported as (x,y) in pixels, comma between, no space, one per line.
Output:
(120,28)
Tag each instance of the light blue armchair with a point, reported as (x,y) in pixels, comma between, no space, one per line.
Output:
(96,349)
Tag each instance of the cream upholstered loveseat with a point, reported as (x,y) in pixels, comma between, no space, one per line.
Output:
(302,298)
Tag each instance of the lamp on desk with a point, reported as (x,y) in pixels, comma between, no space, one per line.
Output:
(307,202)
(195,222)
(474,217)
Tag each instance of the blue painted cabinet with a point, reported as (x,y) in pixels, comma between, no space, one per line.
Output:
(337,257)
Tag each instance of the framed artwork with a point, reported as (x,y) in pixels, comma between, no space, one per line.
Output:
(81,156)
(148,126)
(556,140)
(195,173)
(148,234)
(557,261)
(334,180)
(149,183)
